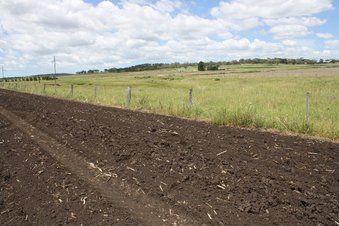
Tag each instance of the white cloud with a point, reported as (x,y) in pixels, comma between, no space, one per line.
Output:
(324,35)
(295,16)
(98,34)
(332,44)
(304,21)
(167,5)
(288,42)
(109,34)
(291,27)
(241,9)
(289,31)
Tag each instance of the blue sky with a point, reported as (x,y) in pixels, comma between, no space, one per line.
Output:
(92,34)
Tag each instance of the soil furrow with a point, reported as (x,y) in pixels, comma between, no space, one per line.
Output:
(35,189)
(217,175)
(151,212)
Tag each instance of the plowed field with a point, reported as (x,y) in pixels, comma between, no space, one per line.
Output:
(64,162)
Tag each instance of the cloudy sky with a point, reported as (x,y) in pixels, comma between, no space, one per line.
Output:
(90,34)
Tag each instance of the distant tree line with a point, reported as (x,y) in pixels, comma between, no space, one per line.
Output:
(281,61)
(202,66)
(148,67)
(92,71)
(140,67)
(28,79)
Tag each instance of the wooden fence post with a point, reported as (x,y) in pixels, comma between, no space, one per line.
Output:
(54,86)
(72,89)
(129,96)
(44,90)
(308,109)
(190,98)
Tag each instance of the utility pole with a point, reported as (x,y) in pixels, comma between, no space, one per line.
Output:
(3,72)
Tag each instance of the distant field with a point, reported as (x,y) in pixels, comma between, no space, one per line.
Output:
(255,96)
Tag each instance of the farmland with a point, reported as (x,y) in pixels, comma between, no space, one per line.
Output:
(71,163)
(253,96)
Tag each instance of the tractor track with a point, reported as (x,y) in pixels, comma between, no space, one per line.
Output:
(150,212)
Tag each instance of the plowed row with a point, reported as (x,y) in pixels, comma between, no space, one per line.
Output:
(211,174)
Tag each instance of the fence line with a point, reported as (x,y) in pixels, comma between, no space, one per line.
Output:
(187,106)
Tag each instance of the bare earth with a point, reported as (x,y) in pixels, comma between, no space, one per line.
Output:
(63,162)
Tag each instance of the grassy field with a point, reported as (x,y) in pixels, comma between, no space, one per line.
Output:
(255,96)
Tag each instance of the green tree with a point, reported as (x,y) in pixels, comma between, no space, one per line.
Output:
(201,66)
(212,67)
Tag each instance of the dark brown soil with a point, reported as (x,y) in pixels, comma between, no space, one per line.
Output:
(176,170)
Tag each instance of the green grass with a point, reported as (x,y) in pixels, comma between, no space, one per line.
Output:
(271,102)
